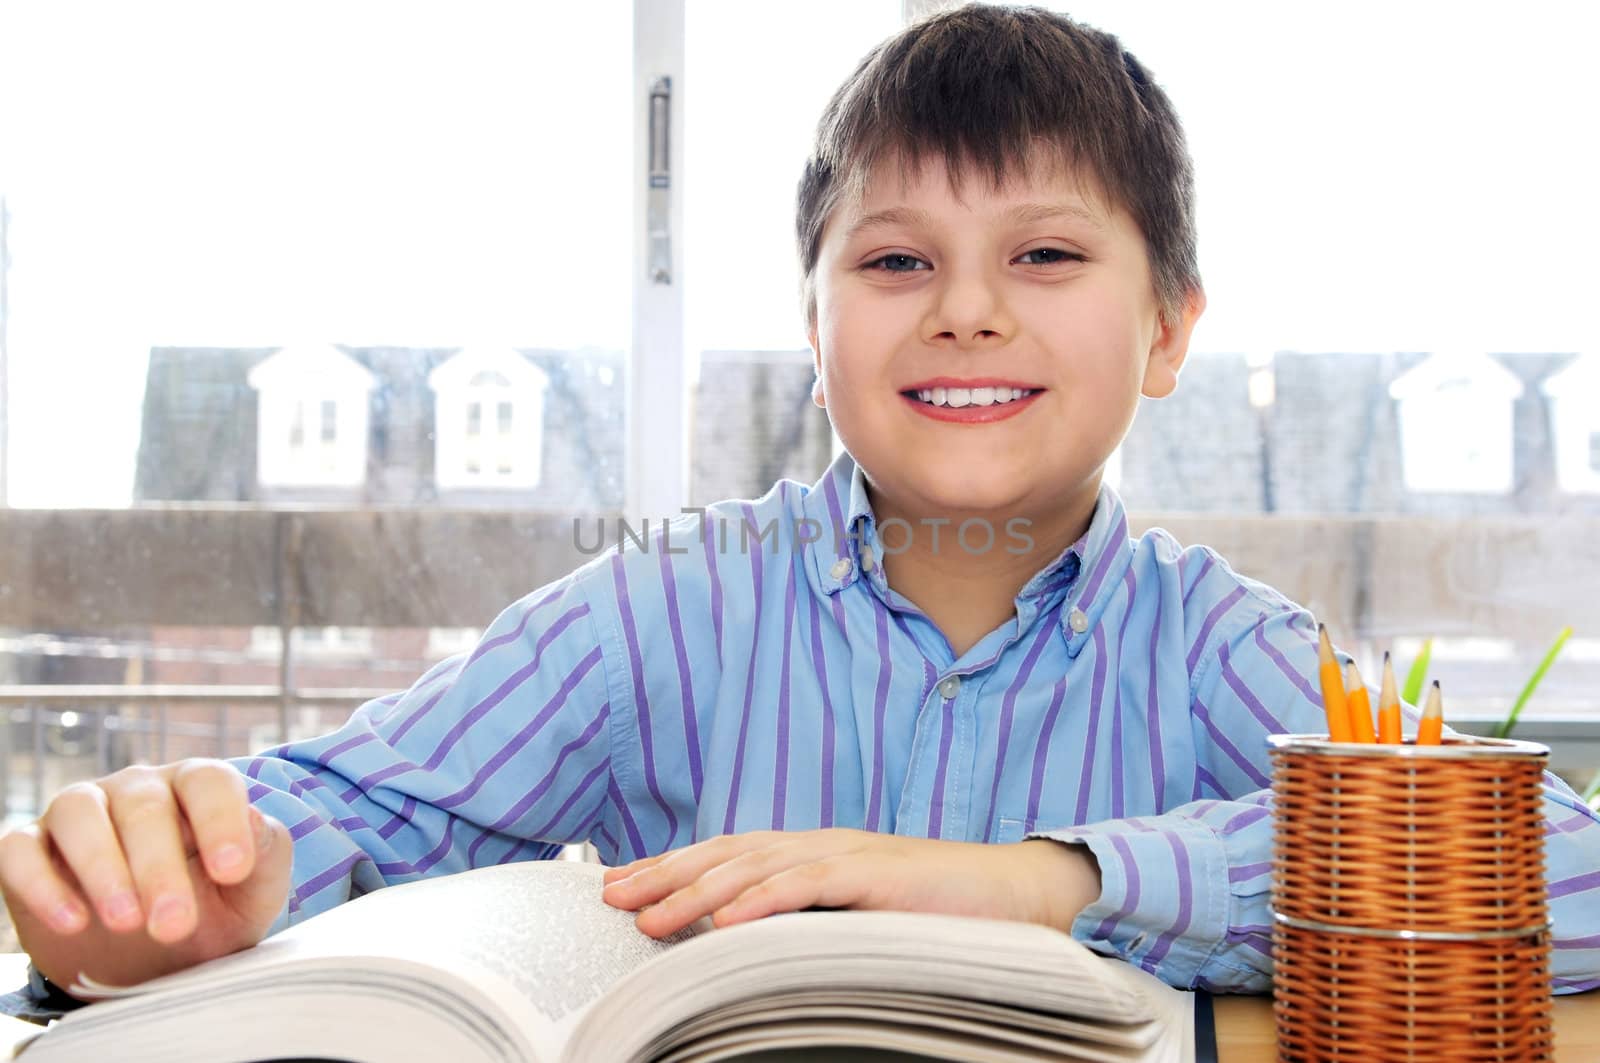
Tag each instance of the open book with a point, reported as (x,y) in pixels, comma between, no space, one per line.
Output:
(526,962)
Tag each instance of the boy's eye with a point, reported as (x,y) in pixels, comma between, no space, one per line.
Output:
(898,263)
(1047,256)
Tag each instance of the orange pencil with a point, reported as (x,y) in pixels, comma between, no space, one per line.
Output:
(1355,693)
(1333,701)
(1430,727)
(1388,707)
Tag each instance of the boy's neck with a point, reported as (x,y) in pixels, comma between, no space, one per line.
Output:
(968,593)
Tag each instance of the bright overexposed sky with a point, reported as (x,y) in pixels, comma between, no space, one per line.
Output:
(1372,177)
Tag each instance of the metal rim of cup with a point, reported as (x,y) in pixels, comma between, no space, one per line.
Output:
(1469,748)
(1411,935)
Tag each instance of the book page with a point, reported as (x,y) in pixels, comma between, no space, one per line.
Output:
(539,930)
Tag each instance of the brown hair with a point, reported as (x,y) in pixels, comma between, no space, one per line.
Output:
(989,89)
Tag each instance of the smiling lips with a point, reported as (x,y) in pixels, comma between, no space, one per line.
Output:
(970,401)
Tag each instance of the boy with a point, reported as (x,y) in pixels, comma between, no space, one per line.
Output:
(943,678)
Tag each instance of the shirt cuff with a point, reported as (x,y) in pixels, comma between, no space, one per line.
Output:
(1163,901)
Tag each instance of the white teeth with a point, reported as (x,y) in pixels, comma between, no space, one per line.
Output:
(958,397)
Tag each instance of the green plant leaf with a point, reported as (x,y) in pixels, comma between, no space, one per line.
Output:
(1504,729)
(1412,690)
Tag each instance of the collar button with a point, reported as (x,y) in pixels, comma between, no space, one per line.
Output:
(841,568)
(1077,621)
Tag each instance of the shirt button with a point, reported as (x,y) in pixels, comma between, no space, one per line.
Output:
(841,568)
(867,559)
(1077,621)
(949,687)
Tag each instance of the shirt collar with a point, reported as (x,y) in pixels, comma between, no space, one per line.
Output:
(1087,572)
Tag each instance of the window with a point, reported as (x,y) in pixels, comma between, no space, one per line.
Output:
(480,440)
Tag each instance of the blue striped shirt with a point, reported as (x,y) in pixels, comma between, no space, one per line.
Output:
(739,671)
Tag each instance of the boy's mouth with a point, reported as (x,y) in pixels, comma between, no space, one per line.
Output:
(957,394)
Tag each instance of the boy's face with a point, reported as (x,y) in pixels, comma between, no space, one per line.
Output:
(1039,286)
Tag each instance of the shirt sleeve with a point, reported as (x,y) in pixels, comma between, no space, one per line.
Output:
(497,755)
(1186,894)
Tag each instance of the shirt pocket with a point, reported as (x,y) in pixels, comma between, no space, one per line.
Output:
(1010,831)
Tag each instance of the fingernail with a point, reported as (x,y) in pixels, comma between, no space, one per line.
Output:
(121,908)
(263,833)
(227,858)
(169,912)
(67,917)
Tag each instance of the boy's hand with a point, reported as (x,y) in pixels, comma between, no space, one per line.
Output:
(143,872)
(739,877)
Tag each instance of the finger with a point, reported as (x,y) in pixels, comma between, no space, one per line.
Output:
(29,878)
(78,823)
(842,881)
(257,899)
(658,876)
(212,797)
(145,814)
(723,882)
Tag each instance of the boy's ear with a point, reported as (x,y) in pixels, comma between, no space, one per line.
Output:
(817,395)
(1170,347)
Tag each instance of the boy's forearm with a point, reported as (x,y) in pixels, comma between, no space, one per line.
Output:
(1069,880)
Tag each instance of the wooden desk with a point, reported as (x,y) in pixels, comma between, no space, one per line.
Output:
(1244,1024)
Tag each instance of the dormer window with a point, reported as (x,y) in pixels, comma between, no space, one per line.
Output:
(489,420)
(1574,395)
(311,422)
(1455,424)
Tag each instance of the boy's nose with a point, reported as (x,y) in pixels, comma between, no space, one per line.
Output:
(968,311)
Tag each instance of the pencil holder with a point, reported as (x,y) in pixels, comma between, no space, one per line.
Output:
(1408,896)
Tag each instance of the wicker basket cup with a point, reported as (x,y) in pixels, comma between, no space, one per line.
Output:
(1409,901)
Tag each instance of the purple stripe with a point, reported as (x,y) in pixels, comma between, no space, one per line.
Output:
(547,830)
(1199,576)
(780,772)
(880,703)
(819,662)
(1243,763)
(353,742)
(1256,944)
(1098,692)
(1245,872)
(529,799)
(1130,898)
(715,575)
(510,748)
(1116,541)
(1577,822)
(1091,742)
(628,825)
(1163,945)
(1289,671)
(641,701)
(611,843)
(522,622)
(749,675)
(1248,696)
(1575,884)
(1008,705)
(399,819)
(317,883)
(548,851)
(1202,777)
(1577,985)
(1591,942)
(304,827)
(936,805)
(691,733)
(1158,767)
(1210,622)
(504,690)
(830,491)
(429,859)
(1041,752)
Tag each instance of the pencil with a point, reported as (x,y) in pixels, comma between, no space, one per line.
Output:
(1430,727)
(1333,701)
(1360,704)
(1388,707)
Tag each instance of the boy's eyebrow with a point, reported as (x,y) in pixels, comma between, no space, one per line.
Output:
(1023,214)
